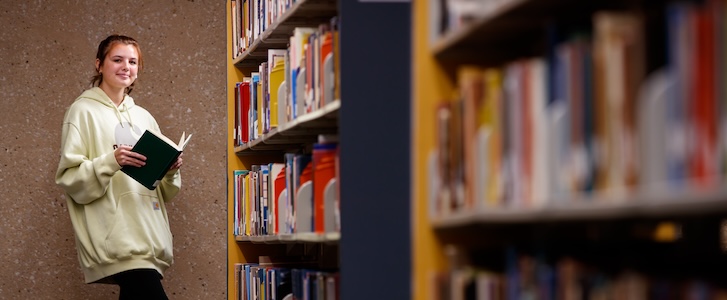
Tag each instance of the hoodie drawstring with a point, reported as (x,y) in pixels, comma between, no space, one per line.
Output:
(128,114)
(119,116)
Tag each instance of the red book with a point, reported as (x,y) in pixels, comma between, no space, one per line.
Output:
(244,92)
(279,187)
(703,165)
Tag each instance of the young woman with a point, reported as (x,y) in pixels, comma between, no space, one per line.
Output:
(121,228)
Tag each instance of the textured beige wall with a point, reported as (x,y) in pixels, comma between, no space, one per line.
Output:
(47,53)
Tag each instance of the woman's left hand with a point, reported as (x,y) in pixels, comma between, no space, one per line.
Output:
(178,163)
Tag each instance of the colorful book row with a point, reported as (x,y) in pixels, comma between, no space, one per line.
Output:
(261,282)
(532,277)
(293,82)
(264,206)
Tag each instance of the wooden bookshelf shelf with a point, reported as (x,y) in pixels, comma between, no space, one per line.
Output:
(303,13)
(454,39)
(298,238)
(303,130)
(645,206)
(324,118)
(519,24)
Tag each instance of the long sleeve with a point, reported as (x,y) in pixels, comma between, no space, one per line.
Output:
(170,185)
(84,179)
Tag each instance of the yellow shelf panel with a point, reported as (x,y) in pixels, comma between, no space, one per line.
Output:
(430,86)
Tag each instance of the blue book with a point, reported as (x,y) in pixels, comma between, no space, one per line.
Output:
(677,42)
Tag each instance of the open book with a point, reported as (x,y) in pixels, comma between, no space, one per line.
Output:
(160,152)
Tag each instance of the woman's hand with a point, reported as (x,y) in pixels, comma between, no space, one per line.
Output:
(125,157)
(177,164)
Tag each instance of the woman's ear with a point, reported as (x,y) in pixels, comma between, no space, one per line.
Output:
(98,65)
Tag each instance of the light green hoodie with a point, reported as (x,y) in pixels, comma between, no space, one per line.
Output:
(118,223)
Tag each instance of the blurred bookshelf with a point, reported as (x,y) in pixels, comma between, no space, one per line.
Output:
(556,137)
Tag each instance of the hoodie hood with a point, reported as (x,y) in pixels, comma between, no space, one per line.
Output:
(98,95)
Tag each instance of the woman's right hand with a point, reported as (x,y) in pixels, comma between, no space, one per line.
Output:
(125,157)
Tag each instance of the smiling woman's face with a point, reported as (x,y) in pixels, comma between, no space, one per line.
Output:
(119,68)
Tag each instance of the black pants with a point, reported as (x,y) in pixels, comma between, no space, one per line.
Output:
(140,284)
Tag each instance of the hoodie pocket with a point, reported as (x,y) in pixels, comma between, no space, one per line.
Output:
(140,228)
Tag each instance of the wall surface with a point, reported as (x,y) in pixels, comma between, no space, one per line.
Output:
(47,53)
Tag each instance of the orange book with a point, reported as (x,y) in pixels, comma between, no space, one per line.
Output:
(470,80)
(326,50)
(324,170)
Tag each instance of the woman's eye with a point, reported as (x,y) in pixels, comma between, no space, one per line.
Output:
(132,62)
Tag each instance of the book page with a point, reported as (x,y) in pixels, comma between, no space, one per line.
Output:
(184,141)
(165,139)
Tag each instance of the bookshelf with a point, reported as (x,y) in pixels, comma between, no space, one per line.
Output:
(304,249)
(465,232)
(372,127)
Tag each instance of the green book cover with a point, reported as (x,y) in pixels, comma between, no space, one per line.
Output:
(160,152)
